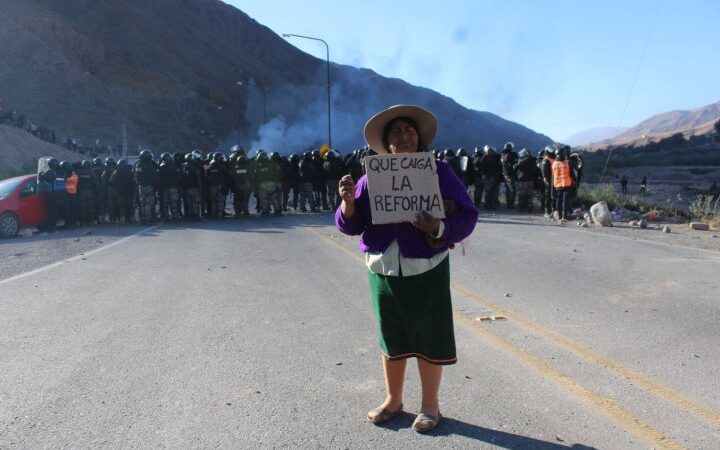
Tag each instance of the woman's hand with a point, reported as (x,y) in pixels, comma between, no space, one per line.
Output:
(346,188)
(427,223)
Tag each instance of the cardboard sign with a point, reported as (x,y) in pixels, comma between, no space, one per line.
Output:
(402,185)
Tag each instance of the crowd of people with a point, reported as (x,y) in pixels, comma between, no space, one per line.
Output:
(553,175)
(18,120)
(191,185)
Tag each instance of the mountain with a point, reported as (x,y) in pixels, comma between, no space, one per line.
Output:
(592,135)
(691,122)
(181,74)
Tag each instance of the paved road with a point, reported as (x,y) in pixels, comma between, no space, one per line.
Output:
(259,334)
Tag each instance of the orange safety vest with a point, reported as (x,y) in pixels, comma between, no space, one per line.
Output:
(71,184)
(561,174)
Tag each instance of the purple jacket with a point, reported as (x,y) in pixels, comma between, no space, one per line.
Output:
(412,241)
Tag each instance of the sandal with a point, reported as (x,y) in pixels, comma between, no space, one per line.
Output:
(382,415)
(426,422)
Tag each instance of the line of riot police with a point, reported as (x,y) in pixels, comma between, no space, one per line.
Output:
(522,175)
(188,186)
(191,186)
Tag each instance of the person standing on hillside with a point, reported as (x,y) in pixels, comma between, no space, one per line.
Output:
(623,184)
(643,185)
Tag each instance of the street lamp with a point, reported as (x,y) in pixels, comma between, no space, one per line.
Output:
(327,47)
(262,88)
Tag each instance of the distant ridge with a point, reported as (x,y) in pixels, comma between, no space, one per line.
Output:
(696,121)
(592,135)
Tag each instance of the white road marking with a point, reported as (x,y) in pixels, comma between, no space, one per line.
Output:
(75,258)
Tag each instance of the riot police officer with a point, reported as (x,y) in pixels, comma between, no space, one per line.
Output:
(215,177)
(145,174)
(191,181)
(88,184)
(241,179)
(169,183)
(508,159)
(491,170)
(265,177)
(333,169)
(54,177)
(99,207)
(308,175)
(478,179)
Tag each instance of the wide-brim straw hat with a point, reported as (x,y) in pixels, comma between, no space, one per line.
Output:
(427,122)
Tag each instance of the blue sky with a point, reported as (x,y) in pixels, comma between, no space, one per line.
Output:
(558,67)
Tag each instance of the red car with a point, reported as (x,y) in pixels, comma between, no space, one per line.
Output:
(21,205)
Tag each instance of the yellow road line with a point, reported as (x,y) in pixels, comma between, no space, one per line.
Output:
(681,401)
(644,382)
(604,405)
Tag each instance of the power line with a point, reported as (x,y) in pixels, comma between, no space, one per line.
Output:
(634,82)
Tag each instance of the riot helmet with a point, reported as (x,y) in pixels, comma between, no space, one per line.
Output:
(146,155)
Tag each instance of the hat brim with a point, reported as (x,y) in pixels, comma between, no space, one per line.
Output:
(427,122)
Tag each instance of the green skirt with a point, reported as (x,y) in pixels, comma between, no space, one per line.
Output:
(415,315)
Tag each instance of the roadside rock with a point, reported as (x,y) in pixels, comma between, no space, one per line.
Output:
(642,223)
(601,214)
(666,229)
(700,226)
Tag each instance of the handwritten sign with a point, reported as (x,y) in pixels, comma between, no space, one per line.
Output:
(402,185)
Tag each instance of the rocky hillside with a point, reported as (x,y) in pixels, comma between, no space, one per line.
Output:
(170,70)
(20,150)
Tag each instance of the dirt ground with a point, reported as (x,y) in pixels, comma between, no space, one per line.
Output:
(680,233)
(668,187)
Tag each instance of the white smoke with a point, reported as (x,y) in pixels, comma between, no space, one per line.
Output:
(279,136)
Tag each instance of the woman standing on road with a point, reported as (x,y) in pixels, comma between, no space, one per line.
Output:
(409,270)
